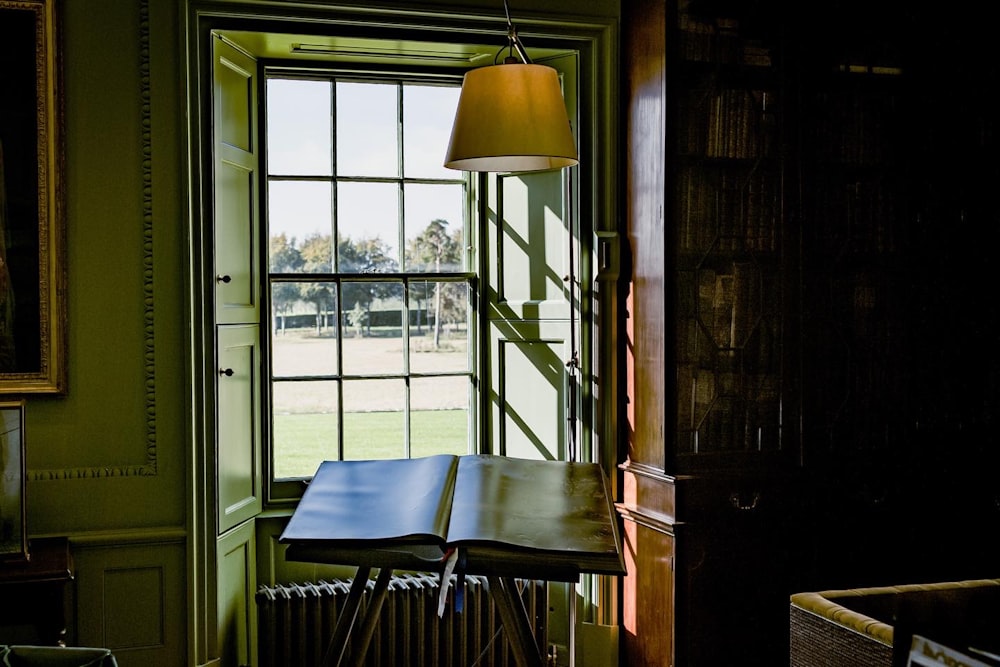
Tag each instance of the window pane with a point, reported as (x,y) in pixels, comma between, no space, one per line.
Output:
(303,329)
(373,419)
(367,126)
(284,255)
(439,329)
(304,428)
(299,210)
(533,239)
(428,114)
(368,227)
(373,343)
(342,371)
(435,239)
(299,138)
(439,415)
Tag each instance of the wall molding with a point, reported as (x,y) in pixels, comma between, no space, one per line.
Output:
(149,467)
(149,357)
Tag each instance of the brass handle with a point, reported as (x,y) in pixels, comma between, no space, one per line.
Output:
(223,279)
(737,500)
(228,372)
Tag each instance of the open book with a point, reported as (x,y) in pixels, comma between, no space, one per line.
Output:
(504,516)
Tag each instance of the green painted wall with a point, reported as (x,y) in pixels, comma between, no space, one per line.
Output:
(110,454)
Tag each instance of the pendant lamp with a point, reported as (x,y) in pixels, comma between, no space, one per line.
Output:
(511,117)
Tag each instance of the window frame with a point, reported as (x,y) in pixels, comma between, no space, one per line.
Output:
(265,30)
(290,488)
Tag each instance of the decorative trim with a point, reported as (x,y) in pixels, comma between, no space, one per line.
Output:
(147,243)
(149,342)
(646,470)
(653,520)
(162,535)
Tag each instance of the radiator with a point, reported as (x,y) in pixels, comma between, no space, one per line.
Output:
(296,622)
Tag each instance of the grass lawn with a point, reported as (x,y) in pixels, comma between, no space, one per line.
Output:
(302,441)
(305,413)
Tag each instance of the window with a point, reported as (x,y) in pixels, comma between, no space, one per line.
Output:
(370,275)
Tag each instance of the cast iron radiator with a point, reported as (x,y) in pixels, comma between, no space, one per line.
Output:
(296,621)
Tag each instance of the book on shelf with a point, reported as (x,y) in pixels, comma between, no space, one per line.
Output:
(501,515)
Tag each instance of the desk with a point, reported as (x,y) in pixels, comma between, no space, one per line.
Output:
(42,587)
(493,516)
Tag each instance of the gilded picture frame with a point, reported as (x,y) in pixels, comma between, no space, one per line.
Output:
(13,532)
(32,228)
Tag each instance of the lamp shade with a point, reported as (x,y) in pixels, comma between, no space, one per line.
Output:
(511,118)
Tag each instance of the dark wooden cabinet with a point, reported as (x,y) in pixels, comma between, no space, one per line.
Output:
(892,138)
(37,595)
(710,506)
(812,376)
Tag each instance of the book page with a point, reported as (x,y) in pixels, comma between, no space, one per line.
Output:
(928,653)
(349,503)
(556,507)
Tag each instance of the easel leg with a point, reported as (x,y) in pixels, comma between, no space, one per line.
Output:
(367,629)
(345,623)
(348,615)
(515,621)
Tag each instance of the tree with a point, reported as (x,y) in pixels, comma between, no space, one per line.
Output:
(454,302)
(357,317)
(367,256)
(429,251)
(317,255)
(284,257)
(421,291)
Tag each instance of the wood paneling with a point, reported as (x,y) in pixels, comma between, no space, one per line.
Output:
(647,305)
(131,597)
(648,592)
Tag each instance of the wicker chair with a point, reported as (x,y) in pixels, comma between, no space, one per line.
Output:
(857,627)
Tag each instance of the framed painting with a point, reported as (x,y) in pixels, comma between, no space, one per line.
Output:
(13,535)
(32,228)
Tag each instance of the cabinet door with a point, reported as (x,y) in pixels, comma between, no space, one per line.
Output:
(235,195)
(237,584)
(647,627)
(730,271)
(240,479)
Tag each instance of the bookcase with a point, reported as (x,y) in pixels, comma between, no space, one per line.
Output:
(811,331)
(898,319)
(708,509)
(727,228)
(860,309)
